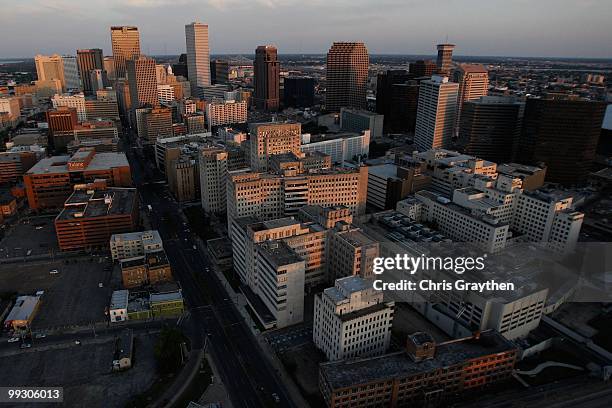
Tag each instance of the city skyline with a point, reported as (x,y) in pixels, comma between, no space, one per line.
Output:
(407,26)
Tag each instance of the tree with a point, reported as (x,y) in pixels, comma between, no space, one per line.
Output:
(167,350)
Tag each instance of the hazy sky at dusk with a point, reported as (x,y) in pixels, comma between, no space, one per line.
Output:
(565,28)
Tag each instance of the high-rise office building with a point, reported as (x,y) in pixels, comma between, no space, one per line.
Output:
(347,76)
(352,303)
(473,83)
(125,41)
(71,72)
(266,78)
(435,113)
(158,124)
(198,58)
(272,138)
(58,67)
(384,82)
(562,132)
(422,68)
(298,92)
(444,61)
(490,127)
(142,81)
(89,60)
(109,66)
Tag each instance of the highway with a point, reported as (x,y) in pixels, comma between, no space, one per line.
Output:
(246,373)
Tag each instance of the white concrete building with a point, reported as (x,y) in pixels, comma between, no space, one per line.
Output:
(225,113)
(213,179)
(281,282)
(548,217)
(436,113)
(359,120)
(352,320)
(132,244)
(165,93)
(76,101)
(341,147)
(71,72)
(198,55)
(118,308)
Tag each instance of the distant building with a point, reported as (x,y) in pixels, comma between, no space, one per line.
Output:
(352,320)
(298,92)
(125,42)
(88,61)
(423,372)
(198,58)
(490,127)
(562,133)
(444,62)
(423,68)
(272,138)
(347,76)
(91,217)
(225,113)
(357,121)
(473,83)
(165,304)
(148,269)
(266,79)
(435,113)
(142,81)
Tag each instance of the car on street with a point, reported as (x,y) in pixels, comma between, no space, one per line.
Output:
(275,397)
(77,342)
(13,339)
(53,272)
(26,345)
(40,335)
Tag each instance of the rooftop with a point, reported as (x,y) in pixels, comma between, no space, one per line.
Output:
(119,299)
(279,253)
(98,203)
(348,373)
(23,309)
(59,164)
(166,297)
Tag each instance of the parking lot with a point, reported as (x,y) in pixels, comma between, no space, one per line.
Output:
(30,234)
(72,296)
(84,371)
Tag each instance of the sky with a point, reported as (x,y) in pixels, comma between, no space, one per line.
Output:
(530,28)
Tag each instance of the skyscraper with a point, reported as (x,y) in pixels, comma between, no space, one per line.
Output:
(385,82)
(142,81)
(60,67)
(561,131)
(198,58)
(422,68)
(445,58)
(347,76)
(490,127)
(298,92)
(435,113)
(125,41)
(89,60)
(473,83)
(267,78)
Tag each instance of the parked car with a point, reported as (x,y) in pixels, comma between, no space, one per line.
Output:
(53,272)
(275,397)
(40,335)
(13,339)
(77,342)
(26,345)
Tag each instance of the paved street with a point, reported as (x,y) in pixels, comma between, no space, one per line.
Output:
(241,363)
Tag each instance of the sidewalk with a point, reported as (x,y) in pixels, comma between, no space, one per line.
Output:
(216,392)
(241,304)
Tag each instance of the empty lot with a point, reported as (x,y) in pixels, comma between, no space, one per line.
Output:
(72,296)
